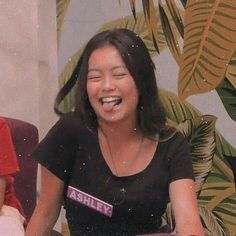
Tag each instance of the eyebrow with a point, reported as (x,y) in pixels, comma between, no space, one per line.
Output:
(113,68)
(118,67)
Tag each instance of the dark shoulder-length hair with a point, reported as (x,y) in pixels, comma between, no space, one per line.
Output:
(151,116)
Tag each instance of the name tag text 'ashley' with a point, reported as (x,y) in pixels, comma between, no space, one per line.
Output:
(89,201)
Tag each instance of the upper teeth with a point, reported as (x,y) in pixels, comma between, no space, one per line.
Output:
(110,99)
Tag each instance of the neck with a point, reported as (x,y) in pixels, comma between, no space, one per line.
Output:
(119,132)
(121,146)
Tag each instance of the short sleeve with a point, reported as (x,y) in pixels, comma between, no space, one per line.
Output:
(56,151)
(8,159)
(181,160)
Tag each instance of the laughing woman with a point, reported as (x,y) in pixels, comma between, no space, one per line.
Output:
(114,163)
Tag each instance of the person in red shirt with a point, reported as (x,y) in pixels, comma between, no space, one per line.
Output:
(11,213)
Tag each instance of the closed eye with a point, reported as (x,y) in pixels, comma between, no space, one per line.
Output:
(121,75)
(94,74)
(94,77)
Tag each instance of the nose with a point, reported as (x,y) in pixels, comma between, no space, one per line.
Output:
(108,83)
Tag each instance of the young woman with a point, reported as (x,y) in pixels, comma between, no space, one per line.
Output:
(113,163)
(11,212)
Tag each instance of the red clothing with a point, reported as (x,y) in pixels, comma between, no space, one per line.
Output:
(8,165)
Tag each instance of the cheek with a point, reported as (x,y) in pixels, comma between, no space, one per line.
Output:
(135,100)
(90,91)
(92,96)
(134,96)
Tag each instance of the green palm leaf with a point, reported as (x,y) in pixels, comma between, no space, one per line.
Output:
(213,223)
(170,17)
(177,110)
(67,104)
(171,38)
(62,6)
(231,71)
(227,89)
(227,95)
(139,27)
(168,217)
(176,16)
(224,149)
(184,3)
(209,42)
(150,15)
(200,133)
(215,191)
(132,5)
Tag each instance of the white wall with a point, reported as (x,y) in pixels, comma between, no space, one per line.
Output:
(28,61)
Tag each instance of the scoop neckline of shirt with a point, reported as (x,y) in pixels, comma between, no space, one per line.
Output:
(101,157)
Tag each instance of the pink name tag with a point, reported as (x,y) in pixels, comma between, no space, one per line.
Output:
(90,201)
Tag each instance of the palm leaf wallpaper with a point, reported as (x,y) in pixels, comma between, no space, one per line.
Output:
(206,31)
(209,42)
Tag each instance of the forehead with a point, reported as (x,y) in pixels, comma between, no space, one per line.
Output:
(106,55)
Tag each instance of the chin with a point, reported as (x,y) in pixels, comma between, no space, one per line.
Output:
(110,118)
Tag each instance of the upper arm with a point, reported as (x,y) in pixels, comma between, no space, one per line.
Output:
(51,193)
(184,204)
(49,204)
(2,190)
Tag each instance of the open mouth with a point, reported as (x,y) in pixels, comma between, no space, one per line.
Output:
(110,103)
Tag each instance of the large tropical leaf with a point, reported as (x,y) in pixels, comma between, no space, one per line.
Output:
(171,38)
(62,6)
(231,71)
(217,190)
(213,223)
(227,95)
(227,211)
(184,3)
(200,132)
(209,42)
(139,26)
(218,193)
(150,15)
(132,5)
(177,110)
(232,162)
(168,218)
(67,104)
(170,17)
(176,16)
(227,89)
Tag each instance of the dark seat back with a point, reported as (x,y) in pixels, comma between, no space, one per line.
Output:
(25,139)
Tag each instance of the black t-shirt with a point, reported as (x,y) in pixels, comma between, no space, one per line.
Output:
(100,203)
